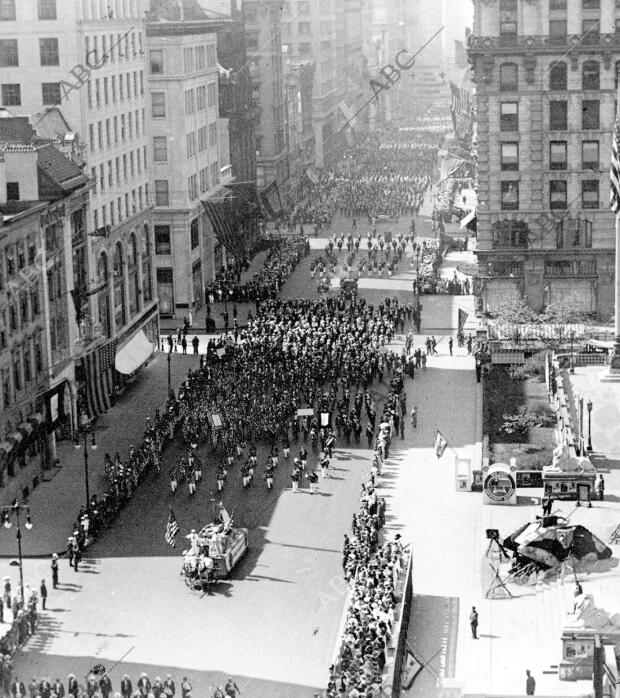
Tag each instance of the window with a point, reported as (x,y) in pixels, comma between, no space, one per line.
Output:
(204,180)
(190,105)
(12,191)
(11,95)
(590,4)
(509,116)
(305,48)
(557,155)
(590,114)
(7,10)
(48,48)
(8,53)
(304,28)
(211,94)
(508,29)
(557,31)
(558,115)
(508,77)
(212,134)
(47,9)
(211,56)
(51,93)
(161,192)
(558,77)
(201,57)
(303,7)
(590,75)
(202,138)
(162,239)
(590,155)
(557,194)
(193,233)
(510,156)
(190,144)
(510,196)
(201,97)
(557,5)
(192,187)
(590,30)
(188,60)
(157,61)
(589,193)
(160,149)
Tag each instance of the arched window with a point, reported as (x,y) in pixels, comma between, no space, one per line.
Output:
(591,75)
(508,77)
(103,296)
(102,268)
(558,76)
(147,282)
(134,279)
(120,316)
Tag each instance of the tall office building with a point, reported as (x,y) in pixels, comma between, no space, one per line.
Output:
(190,161)
(77,69)
(546,76)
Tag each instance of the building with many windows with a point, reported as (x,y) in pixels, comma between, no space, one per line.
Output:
(190,161)
(86,60)
(43,203)
(546,77)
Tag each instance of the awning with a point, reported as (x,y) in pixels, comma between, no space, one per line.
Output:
(600,343)
(130,357)
(36,419)
(25,428)
(15,436)
(5,447)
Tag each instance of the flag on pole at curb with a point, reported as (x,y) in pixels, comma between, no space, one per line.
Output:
(440,444)
(172,529)
(462,319)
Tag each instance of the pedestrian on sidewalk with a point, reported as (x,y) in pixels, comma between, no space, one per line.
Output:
(195,343)
(414,416)
(530,684)
(295,478)
(184,344)
(55,570)
(43,592)
(473,622)
(313,479)
(450,345)
(600,487)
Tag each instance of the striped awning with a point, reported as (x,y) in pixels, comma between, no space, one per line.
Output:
(25,428)
(99,377)
(15,436)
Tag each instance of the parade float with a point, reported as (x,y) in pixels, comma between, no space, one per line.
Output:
(214,551)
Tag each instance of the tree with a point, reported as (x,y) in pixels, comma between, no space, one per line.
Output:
(514,311)
(564,310)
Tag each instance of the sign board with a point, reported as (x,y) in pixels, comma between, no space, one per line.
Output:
(221,353)
(305,412)
(216,421)
(325,419)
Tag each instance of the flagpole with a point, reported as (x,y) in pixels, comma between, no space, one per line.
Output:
(614,367)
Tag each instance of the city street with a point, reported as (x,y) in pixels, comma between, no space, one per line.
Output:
(273,625)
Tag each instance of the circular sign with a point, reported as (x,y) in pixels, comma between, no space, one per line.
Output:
(499,485)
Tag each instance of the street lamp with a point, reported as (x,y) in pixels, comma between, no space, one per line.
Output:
(589,426)
(572,360)
(84,430)
(15,510)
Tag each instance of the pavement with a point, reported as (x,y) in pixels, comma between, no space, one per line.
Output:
(274,624)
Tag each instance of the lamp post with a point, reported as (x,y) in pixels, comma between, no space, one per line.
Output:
(15,511)
(581,437)
(417,276)
(572,361)
(83,431)
(589,404)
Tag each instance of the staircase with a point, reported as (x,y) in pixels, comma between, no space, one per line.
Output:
(554,600)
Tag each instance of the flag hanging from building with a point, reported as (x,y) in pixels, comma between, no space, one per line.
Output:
(614,171)
(461,100)
(462,319)
(246,194)
(172,529)
(272,203)
(348,113)
(221,217)
(98,367)
(440,444)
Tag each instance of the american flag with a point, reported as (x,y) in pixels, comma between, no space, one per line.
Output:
(440,444)
(461,100)
(614,171)
(99,378)
(172,529)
